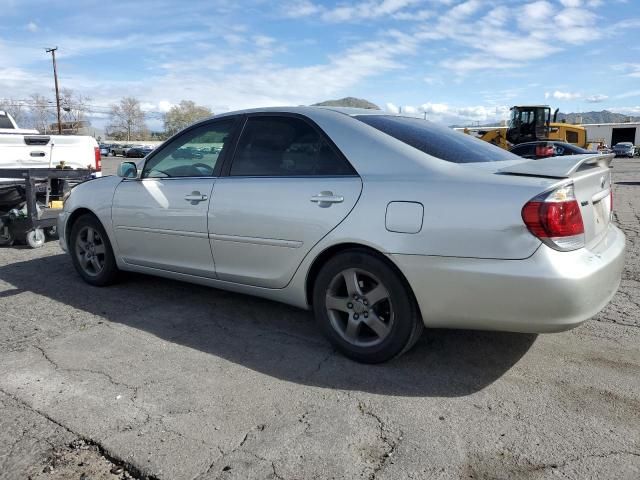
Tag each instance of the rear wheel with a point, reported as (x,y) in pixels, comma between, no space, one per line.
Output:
(91,252)
(365,308)
(6,237)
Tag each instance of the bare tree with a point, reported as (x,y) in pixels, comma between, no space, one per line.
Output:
(182,115)
(128,120)
(15,108)
(41,112)
(75,107)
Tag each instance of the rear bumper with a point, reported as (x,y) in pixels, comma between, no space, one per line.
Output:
(550,291)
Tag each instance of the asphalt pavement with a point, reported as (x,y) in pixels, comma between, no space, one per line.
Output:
(165,380)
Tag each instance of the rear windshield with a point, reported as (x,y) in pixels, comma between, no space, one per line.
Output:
(441,142)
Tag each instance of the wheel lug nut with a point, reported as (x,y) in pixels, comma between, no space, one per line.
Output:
(356,316)
(366,315)
(365,302)
(349,305)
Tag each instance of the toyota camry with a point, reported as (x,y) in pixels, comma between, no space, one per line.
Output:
(381,224)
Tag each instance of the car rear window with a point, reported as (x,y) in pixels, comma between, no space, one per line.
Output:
(441,142)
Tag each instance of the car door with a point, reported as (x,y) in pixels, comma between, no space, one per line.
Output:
(286,188)
(160,218)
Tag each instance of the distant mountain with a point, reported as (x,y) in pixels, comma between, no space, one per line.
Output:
(348,102)
(605,116)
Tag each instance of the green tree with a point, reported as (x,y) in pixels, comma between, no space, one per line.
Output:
(184,114)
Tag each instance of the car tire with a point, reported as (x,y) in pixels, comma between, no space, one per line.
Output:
(35,238)
(91,252)
(365,308)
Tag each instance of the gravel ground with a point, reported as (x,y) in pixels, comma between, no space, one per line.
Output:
(158,379)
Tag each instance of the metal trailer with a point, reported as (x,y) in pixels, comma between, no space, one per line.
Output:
(27,220)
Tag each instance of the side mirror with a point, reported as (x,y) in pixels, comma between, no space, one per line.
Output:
(127,170)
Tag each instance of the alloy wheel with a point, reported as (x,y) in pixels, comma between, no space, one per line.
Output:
(359,308)
(90,251)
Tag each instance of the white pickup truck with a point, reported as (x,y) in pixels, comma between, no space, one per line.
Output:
(23,148)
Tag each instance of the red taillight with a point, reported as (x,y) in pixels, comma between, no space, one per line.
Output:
(555,218)
(552,220)
(611,199)
(98,159)
(544,151)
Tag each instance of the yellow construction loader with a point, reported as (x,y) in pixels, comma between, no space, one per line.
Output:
(530,123)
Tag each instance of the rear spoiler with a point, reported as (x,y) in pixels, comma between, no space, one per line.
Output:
(558,167)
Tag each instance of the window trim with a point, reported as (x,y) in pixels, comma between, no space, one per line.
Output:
(229,159)
(233,138)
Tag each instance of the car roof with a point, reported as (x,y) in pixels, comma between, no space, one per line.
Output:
(308,111)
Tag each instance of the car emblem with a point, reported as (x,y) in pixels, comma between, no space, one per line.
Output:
(602,182)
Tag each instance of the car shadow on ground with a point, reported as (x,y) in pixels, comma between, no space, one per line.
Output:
(269,337)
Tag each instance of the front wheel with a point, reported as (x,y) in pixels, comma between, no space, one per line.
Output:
(35,238)
(91,252)
(365,308)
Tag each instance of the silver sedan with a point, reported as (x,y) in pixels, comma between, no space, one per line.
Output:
(380,224)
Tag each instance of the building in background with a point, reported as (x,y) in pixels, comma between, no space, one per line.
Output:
(612,133)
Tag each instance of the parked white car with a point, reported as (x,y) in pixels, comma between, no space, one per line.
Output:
(381,224)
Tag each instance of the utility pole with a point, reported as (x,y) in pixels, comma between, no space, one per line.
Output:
(55,78)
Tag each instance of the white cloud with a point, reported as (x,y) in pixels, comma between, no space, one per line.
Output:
(32,27)
(164,106)
(349,12)
(263,41)
(629,94)
(473,62)
(234,39)
(390,107)
(301,8)
(596,98)
(571,3)
(437,108)
(629,69)
(541,10)
(558,95)
(449,115)
(629,110)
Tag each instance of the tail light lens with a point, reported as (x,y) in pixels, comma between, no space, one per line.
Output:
(555,218)
(98,159)
(544,151)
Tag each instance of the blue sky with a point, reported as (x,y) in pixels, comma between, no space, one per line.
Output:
(458,61)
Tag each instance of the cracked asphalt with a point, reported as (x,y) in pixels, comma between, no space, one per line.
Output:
(158,379)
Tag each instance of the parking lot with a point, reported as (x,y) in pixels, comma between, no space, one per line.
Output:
(160,379)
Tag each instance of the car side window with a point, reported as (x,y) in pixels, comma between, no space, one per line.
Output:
(192,154)
(525,151)
(518,150)
(285,146)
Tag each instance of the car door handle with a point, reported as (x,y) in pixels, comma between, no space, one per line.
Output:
(325,199)
(195,197)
